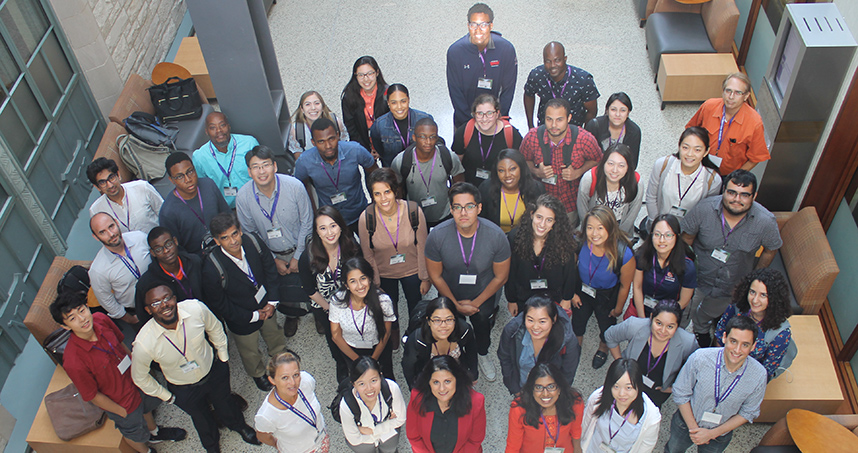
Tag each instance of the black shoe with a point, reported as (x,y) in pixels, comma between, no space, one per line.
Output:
(704,340)
(152,450)
(168,434)
(394,337)
(248,435)
(599,359)
(263,384)
(320,325)
(290,326)
(240,403)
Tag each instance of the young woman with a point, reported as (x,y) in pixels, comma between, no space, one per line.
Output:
(541,333)
(310,108)
(394,250)
(613,183)
(392,132)
(659,345)
(445,413)
(679,181)
(509,190)
(763,295)
(290,418)
(546,414)
(616,127)
(479,141)
(606,266)
(363,100)
(442,332)
(320,267)
(618,415)
(664,267)
(361,316)
(543,256)
(379,417)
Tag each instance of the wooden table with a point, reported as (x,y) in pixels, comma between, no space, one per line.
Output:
(190,57)
(684,77)
(43,439)
(814,433)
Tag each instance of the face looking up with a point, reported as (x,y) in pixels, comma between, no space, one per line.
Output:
(367,77)
(479,29)
(618,113)
(312,108)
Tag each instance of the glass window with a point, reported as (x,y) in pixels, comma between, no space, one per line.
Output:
(16,134)
(53,53)
(25,100)
(9,72)
(26,22)
(45,83)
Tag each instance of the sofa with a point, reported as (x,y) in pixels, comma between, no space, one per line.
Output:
(38,319)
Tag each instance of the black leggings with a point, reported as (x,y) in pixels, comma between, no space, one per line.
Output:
(601,305)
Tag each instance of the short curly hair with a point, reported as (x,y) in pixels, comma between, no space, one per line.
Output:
(777,289)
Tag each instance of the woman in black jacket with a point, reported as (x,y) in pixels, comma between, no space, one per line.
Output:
(363,100)
(616,127)
(509,190)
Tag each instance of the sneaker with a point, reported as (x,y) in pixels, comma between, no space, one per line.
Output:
(290,326)
(487,367)
(168,434)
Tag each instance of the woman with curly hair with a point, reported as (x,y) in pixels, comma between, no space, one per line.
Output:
(363,100)
(613,183)
(546,414)
(763,296)
(509,191)
(543,256)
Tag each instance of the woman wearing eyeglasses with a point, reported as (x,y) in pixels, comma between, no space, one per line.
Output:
(363,100)
(479,141)
(509,190)
(616,127)
(546,414)
(311,107)
(392,132)
(442,332)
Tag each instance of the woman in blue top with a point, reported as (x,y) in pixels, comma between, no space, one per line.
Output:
(606,265)
(391,133)
(664,267)
(763,295)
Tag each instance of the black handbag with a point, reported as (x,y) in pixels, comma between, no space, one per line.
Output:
(176,99)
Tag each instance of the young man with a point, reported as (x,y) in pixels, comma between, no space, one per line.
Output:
(717,391)
(134,204)
(556,79)
(97,363)
(470,279)
(222,158)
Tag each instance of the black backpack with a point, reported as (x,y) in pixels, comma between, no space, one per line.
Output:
(208,255)
(413,218)
(567,149)
(408,161)
(344,391)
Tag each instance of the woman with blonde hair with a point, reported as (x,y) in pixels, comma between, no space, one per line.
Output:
(311,107)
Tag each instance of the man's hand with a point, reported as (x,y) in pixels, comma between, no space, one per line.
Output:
(130,319)
(570,174)
(293,266)
(566,304)
(513,308)
(282,266)
(425,286)
(466,309)
(374,154)
(544,171)
(701,436)
(122,413)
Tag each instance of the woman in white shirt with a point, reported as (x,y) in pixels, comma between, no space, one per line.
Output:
(290,418)
(378,405)
(613,183)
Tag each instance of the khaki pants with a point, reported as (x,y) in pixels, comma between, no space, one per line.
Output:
(248,347)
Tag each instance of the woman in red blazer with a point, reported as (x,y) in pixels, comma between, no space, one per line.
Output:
(445,415)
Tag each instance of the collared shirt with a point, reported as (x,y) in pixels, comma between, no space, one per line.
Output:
(696,384)
(184,219)
(113,283)
(293,216)
(342,177)
(692,188)
(757,228)
(137,212)
(195,320)
(243,266)
(577,87)
(207,165)
(445,428)
(742,141)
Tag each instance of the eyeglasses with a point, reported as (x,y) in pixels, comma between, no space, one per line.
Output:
(442,322)
(468,207)
(181,176)
(665,236)
(157,303)
(425,137)
(110,179)
(485,114)
(481,25)
(261,167)
(730,93)
(743,195)
(364,75)
(550,388)
(167,246)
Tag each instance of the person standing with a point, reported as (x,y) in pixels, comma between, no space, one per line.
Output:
(556,79)
(134,204)
(363,100)
(392,132)
(479,142)
(171,266)
(222,158)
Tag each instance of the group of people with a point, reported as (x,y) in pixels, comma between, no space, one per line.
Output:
(549,217)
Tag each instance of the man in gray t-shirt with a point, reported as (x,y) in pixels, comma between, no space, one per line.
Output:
(467,259)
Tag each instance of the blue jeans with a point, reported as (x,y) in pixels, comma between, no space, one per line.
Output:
(411,288)
(680,440)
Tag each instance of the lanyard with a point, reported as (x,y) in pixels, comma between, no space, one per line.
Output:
(184,341)
(619,137)
(339,167)
(650,367)
(491,143)
(362,327)
(679,188)
(134,270)
(721,127)
(231,160)
(398,219)
(748,314)
(405,139)
(483,59)
(200,197)
(462,248)
(589,267)
(538,268)
(179,277)
(416,161)
(375,420)
(111,350)
(511,217)
(556,433)
(127,223)
(311,420)
(249,273)
(718,395)
(270,216)
(727,231)
(562,90)
(656,285)
(625,419)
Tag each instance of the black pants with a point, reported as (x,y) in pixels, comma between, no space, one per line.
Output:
(211,390)
(483,321)
(385,361)
(411,288)
(322,316)
(293,298)
(601,305)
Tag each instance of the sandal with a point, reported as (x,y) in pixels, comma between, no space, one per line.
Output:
(599,359)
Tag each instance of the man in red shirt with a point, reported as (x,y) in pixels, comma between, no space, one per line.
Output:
(98,363)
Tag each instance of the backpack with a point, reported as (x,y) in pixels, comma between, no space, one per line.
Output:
(593,178)
(208,255)
(567,149)
(418,315)
(75,279)
(507,131)
(147,128)
(791,350)
(408,161)
(664,165)
(344,391)
(145,161)
(413,218)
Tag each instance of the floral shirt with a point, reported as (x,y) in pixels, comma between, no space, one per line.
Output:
(768,354)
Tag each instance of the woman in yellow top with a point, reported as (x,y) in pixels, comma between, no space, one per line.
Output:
(509,190)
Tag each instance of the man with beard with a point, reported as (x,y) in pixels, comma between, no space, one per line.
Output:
(222,158)
(556,79)
(134,204)
(726,233)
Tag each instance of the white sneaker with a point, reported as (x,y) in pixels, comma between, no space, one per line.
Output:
(487,367)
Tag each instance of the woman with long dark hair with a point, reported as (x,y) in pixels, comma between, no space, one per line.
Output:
(509,190)
(380,406)
(478,142)
(546,414)
(616,127)
(311,107)
(445,413)
(392,132)
(541,333)
(664,267)
(363,100)
(543,256)
(613,183)
(619,415)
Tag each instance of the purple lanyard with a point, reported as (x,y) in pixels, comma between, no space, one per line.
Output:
(562,90)
(362,327)
(462,248)
(375,419)
(111,350)
(405,139)
(725,230)
(721,127)
(228,171)
(480,140)
(718,396)
(270,216)
(311,420)
(396,242)
(748,314)
(483,60)
(416,161)
(134,269)
(538,267)
(619,137)
(127,223)
(656,285)
(514,211)
(188,291)
(679,189)
(589,267)
(557,432)
(184,345)
(625,419)
(339,167)
(200,197)
(650,367)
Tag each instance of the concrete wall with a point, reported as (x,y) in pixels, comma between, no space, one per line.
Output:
(114,38)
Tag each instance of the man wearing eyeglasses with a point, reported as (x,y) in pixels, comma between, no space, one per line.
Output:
(467,259)
(222,157)
(736,135)
(725,233)
(276,208)
(480,62)
(134,204)
(190,207)
(556,79)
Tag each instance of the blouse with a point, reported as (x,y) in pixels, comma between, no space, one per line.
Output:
(523,438)
(662,284)
(769,355)
(511,209)
(358,327)
(613,424)
(381,432)
(292,433)
(594,270)
(383,250)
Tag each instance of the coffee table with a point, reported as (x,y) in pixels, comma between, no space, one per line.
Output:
(814,433)
(687,77)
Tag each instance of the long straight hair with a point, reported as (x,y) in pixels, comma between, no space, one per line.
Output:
(628,183)
(372,299)
(615,372)
(569,396)
(605,216)
(554,342)
(318,254)
(676,259)
(461,401)
(351,93)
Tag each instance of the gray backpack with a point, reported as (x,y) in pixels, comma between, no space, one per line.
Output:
(144,160)
(791,351)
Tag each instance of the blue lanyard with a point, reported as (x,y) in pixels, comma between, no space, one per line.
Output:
(268,216)
(721,127)
(134,270)
(311,420)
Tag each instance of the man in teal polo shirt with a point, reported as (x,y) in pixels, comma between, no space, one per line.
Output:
(222,158)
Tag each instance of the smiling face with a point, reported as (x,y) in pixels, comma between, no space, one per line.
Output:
(663,326)
(287,380)
(486,118)
(367,77)
(111,184)
(441,324)
(479,29)
(546,392)
(624,392)
(160,303)
(618,113)
(262,171)
(554,59)
(398,103)
(443,386)
(384,197)
(616,168)
(538,323)
(104,229)
(230,240)
(509,174)
(597,234)
(358,284)
(543,221)
(557,122)
(758,299)
(78,320)
(663,238)
(737,345)
(312,108)
(691,152)
(737,200)
(368,385)
(328,230)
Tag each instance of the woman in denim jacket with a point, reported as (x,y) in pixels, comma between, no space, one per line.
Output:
(392,132)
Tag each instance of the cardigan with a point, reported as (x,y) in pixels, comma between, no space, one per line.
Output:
(631,137)
(472,426)
(355,120)
(649,431)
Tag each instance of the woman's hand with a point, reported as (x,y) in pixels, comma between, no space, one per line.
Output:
(615,312)
(425,286)
(513,308)
(566,304)
(576,301)
(365,431)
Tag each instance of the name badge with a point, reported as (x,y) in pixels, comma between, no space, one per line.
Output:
(650,302)
(124,364)
(715,160)
(539,283)
(552,180)
(396,259)
(467,279)
(648,382)
(721,255)
(484,83)
(606,448)
(428,201)
(553,450)
(710,417)
(260,295)
(588,290)
(230,191)
(678,212)
(339,198)
(274,233)
(187,367)
(482,173)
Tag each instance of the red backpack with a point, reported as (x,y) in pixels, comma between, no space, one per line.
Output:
(593,178)
(471,126)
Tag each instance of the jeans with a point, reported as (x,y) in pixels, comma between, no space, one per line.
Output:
(680,440)
(411,288)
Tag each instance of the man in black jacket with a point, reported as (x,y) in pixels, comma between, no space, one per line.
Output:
(240,287)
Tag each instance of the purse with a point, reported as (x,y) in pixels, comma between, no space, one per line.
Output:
(55,344)
(71,415)
(176,99)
